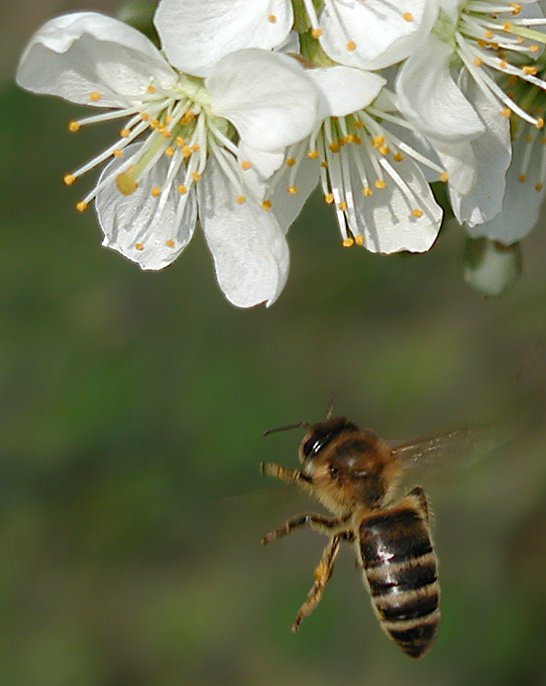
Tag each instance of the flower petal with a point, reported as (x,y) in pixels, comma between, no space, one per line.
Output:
(151,231)
(92,59)
(291,194)
(373,34)
(197,33)
(385,218)
(430,99)
(492,152)
(247,244)
(267,96)
(523,199)
(345,90)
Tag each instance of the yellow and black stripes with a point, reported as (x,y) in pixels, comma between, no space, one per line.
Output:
(401,571)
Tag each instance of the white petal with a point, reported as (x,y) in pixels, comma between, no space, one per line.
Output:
(429,97)
(380,34)
(197,33)
(248,246)
(267,96)
(287,206)
(492,151)
(79,54)
(522,201)
(147,230)
(345,90)
(385,218)
(264,164)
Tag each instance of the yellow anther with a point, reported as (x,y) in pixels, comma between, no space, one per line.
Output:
(367,192)
(170,243)
(95,96)
(522,178)
(407,16)
(359,240)
(125,133)
(246,165)
(292,190)
(182,189)
(377,141)
(503,64)
(272,19)
(82,206)
(417,213)
(188,117)
(240,199)
(444,177)
(195,147)
(520,40)
(126,182)
(169,151)
(349,138)
(266,205)
(507,26)
(155,123)
(380,184)
(534,47)
(73,126)
(398,157)
(384,150)
(539,187)
(139,246)
(69,179)
(168,119)
(358,124)
(351,46)
(342,206)
(196,176)
(357,140)
(180,141)
(348,242)
(155,192)
(516,8)
(328,198)
(540,123)
(166,133)
(506,112)
(489,34)
(151,89)
(144,116)
(334,146)
(290,162)
(313,154)
(324,164)
(317,33)
(530,70)
(118,153)
(186,151)
(478,61)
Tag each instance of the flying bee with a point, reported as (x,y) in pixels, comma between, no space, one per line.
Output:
(356,476)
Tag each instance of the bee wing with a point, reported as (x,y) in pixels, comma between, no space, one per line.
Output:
(454,447)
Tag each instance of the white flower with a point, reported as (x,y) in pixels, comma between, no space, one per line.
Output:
(526,178)
(370,34)
(198,146)
(382,199)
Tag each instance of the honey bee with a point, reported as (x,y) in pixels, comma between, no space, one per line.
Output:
(355,475)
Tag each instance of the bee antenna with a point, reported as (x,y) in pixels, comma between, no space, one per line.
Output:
(330,410)
(286,427)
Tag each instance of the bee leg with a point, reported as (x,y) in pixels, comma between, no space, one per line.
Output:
(317,522)
(289,476)
(422,502)
(323,572)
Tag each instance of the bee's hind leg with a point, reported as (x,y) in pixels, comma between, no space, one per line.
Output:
(323,572)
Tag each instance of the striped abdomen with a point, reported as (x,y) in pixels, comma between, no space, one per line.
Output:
(400,568)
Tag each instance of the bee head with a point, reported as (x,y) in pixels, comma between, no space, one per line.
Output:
(321,435)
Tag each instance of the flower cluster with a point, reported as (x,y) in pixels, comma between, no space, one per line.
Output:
(248,105)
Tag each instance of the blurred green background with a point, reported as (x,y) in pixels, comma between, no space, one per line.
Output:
(132,406)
